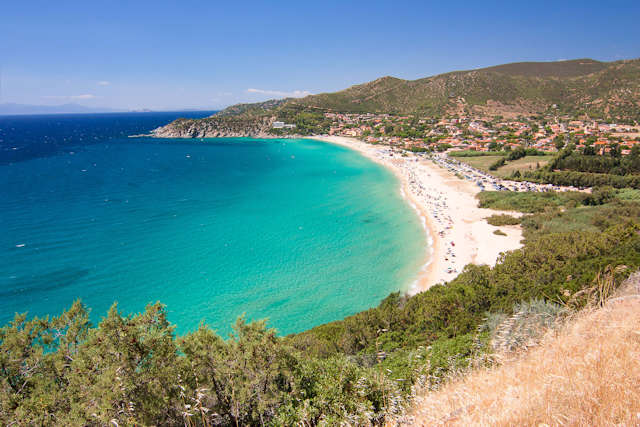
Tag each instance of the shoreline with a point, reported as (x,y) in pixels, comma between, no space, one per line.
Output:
(457,233)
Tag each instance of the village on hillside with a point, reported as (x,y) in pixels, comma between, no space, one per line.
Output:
(543,133)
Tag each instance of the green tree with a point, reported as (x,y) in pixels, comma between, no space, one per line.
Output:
(35,366)
(245,378)
(126,371)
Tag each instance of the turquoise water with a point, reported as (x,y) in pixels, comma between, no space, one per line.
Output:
(297,231)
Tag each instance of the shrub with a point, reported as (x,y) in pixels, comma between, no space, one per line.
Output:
(472,153)
(583,179)
(526,201)
(497,164)
(529,321)
(503,219)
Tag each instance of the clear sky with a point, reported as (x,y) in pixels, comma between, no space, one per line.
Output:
(209,54)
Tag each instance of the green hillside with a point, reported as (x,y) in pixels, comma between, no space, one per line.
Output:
(599,89)
(580,88)
(559,69)
(254,109)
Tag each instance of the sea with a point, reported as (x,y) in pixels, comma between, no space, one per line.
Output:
(294,231)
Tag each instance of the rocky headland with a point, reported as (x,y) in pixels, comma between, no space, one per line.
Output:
(216,127)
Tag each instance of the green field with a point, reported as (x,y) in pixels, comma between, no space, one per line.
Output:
(524,164)
(481,163)
(527,163)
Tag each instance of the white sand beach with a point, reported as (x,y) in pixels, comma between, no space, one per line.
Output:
(458,233)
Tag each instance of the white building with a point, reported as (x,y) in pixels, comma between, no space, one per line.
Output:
(280,125)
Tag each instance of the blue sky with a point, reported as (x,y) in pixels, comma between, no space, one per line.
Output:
(209,54)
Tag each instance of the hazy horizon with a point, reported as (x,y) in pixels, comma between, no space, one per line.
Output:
(11,109)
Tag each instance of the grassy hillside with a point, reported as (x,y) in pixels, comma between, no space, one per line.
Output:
(572,68)
(258,108)
(580,86)
(587,373)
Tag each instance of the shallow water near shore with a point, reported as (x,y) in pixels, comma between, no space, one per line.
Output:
(297,231)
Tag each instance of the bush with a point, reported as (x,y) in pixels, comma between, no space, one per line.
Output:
(497,164)
(600,196)
(526,201)
(415,149)
(503,219)
(516,154)
(472,153)
(583,179)
(529,321)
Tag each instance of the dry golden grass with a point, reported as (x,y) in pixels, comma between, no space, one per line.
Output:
(587,373)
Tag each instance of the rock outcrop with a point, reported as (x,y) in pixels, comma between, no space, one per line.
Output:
(216,127)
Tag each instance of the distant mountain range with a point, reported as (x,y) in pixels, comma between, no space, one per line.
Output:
(12,108)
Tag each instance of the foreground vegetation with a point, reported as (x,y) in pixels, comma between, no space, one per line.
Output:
(585,373)
(361,370)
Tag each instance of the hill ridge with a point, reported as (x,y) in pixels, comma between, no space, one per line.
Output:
(581,88)
(599,88)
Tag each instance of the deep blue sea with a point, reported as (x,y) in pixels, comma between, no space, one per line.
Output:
(297,231)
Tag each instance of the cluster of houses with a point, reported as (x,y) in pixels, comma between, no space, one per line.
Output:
(484,134)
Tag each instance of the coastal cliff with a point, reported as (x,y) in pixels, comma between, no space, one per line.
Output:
(216,127)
